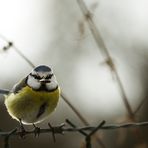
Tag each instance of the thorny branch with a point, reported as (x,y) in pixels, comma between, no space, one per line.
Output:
(59,130)
(87,131)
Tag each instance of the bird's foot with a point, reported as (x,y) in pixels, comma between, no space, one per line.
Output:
(22,131)
(36,131)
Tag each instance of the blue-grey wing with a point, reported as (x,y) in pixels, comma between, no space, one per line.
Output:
(17,87)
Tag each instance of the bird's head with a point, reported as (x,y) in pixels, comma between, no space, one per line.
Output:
(42,78)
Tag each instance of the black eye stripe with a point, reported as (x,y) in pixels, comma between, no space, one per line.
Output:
(35,76)
(49,76)
(38,77)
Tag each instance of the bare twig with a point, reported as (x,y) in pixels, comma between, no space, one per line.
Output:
(101,45)
(140,105)
(11,44)
(24,57)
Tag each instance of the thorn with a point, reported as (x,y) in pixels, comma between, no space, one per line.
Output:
(59,129)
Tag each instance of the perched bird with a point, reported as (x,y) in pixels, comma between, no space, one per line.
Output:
(33,98)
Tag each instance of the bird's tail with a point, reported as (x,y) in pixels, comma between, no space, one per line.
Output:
(4,91)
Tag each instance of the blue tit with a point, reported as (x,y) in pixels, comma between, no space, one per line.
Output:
(35,97)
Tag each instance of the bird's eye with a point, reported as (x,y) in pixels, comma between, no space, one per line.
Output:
(49,76)
(36,76)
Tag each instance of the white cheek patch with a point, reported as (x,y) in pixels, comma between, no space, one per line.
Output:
(53,84)
(33,83)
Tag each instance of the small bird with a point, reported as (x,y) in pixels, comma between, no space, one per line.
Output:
(34,98)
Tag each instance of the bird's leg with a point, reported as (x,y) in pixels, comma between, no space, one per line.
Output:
(22,130)
(36,130)
(52,131)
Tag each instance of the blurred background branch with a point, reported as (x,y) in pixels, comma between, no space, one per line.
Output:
(101,46)
(109,61)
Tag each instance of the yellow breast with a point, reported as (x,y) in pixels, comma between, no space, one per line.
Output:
(31,106)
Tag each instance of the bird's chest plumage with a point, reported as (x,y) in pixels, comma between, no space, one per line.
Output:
(31,106)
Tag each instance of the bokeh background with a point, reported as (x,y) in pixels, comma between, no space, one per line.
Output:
(55,33)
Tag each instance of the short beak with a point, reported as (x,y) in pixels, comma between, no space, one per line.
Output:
(44,81)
